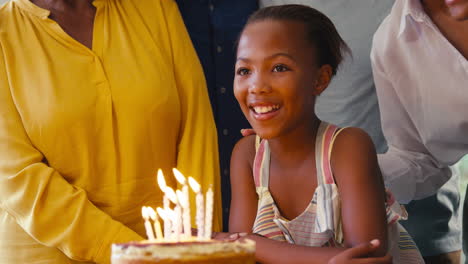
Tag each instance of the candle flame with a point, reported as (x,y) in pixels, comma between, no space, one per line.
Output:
(194,184)
(162,213)
(161,180)
(152,214)
(171,194)
(182,199)
(144,212)
(179,176)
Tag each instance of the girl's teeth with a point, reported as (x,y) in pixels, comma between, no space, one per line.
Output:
(265,109)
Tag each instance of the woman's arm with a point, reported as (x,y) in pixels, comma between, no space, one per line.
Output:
(410,171)
(360,184)
(198,146)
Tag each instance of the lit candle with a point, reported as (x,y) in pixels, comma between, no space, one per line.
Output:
(177,222)
(200,210)
(184,202)
(171,216)
(157,226)
(209,213)
(163,186)
(148,228)
(176,219)
(167,222)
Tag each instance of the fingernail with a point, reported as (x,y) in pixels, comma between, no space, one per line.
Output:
(375,242)
(233,236)
(242,234)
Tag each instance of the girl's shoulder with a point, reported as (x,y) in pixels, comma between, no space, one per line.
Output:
(350,139)
(353,154)
(244,150)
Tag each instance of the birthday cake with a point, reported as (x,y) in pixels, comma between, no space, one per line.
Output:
(197,252)
(176,244)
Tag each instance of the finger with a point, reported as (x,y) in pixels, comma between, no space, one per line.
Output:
(232,237)
(247,132)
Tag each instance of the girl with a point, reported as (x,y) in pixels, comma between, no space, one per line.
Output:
(301,180)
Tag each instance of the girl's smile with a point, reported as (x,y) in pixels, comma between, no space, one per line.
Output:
(264,110)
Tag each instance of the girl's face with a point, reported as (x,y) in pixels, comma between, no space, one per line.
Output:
(276,77)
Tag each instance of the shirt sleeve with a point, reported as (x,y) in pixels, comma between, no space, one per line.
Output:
(198,147)
(408,168)
(51,210)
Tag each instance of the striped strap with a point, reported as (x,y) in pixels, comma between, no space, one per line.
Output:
(261,166)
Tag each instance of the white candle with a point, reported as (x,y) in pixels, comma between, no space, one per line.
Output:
(157,225)
(163,186)
(184,202)
(167,222)
(176,218)
(171,217)
(200,210)
(148,228)
(177,223)
(209,213)
(171,194)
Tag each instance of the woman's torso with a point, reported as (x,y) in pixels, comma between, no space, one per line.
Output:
(106,119)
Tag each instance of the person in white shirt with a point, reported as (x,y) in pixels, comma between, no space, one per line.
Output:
(420,66)
(351,100)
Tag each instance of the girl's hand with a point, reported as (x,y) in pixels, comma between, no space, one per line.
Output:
(359,253)
(227,236)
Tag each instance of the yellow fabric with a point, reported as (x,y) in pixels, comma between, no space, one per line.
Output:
(83,132)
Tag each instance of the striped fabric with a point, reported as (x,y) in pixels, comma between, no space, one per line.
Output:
(320,223)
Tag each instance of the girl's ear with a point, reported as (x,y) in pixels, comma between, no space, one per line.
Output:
(323,79)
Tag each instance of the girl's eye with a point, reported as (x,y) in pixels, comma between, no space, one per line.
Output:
(242,71)
(280,68)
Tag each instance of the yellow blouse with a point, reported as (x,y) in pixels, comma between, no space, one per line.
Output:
(83,132)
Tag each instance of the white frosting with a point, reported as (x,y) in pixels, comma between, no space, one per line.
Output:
(180,251)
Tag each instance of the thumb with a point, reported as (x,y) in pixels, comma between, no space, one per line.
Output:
(247,132)
(364,249)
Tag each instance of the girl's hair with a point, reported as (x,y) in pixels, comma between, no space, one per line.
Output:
(321,32)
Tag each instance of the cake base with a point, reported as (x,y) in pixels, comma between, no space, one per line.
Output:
(216,252)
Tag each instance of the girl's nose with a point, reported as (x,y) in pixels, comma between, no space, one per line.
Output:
(259,86)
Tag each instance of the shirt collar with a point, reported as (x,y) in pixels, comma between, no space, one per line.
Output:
(412,9)
(32,8)
(42,13)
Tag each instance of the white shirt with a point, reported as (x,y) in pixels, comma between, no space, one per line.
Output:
(422,87)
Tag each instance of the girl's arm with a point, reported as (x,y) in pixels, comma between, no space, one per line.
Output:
(362,193)
(358,255)
(244,198)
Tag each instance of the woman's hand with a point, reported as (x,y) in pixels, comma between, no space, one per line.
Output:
(247,132)
(359,253)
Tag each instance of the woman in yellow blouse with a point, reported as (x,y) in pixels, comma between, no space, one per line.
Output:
(95,96)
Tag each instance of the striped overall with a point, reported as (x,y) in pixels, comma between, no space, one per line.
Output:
(320,223)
